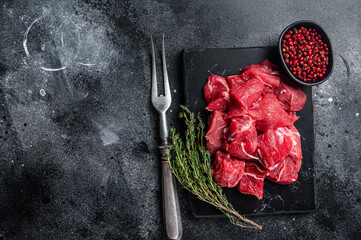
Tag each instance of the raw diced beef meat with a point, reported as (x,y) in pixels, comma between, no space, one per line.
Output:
(267,63)
(296,152)
(293,116)
(290,96)
(240,139)
(214,87)
(283,172)
(269,114)
(252,123)
(267,90)
(226,170)
(235,80)
(264,74)
(298,163)
(243,96)
(217,123)
(220,104)
(250,70)
(252,180)
(274,147)
(292,132)
(272,81)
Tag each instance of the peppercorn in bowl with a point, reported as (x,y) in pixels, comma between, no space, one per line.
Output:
(306,53)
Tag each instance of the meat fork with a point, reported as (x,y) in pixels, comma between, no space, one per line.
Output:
(171,212)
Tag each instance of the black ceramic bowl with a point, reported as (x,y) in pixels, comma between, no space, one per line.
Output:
(325,39)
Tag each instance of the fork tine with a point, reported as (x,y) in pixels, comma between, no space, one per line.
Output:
(165,73)
(154,73)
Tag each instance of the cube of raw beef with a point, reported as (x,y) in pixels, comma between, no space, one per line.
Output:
(290,96)
(264,68)
(267,63)
(296,151)
(267,90)
(252,180)
(217,123)
(284,172)
(240,139)
(269,114)
(265,74)
(226,170)
(242,97)
(293,116)
(220,104)
(297,162)
(235,80)
(274,147)
(214,87)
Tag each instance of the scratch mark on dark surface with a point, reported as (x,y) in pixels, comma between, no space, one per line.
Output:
(53,69)
(347,65)
(26,37)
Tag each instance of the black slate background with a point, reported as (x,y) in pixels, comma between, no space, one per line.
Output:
(81,160)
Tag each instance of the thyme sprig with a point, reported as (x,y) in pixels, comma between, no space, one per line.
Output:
(190,162)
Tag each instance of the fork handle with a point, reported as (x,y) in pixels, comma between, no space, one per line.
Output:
(163,128)
(171,211)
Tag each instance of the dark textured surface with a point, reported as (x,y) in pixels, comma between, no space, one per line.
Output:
(277,198)
(79,158)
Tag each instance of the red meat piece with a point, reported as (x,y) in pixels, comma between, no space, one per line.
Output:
(270,80)
(274,147)
(220,104)
(243,96)
(293,116)
(265,68)
(269,114)
(264,73)
(267,63)
(226,170)
(284,172)
(214,87)
(290,96)
(258,100)
(267,90)
(235,80)
(297,162)
(296,152)
(252,180)
(217,123)
(293,133)
(240,139)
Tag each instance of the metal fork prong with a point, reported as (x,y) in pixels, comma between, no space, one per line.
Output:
(154,74)
(165,74)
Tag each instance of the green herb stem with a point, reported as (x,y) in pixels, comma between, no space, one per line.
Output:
(190,163)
